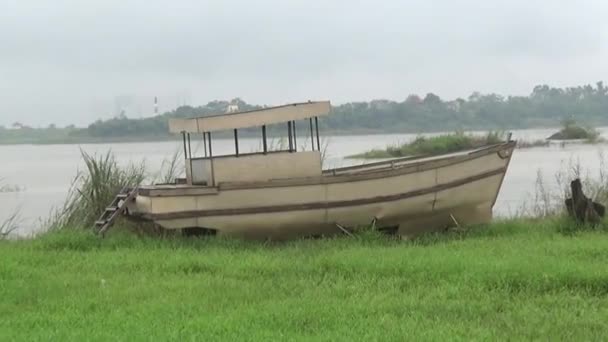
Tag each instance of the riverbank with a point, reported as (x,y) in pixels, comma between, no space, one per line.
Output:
(303,135)
(510,280)
(61,136)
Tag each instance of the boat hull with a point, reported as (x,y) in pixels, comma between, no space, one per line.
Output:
(410,195)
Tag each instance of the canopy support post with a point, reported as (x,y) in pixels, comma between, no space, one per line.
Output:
(211,161)
(264,139)
(184,142)
(317,126)
(190,155)
(210,151)
(312,135)
(289,136)
(189,147)
(205,143)
(236,142)
(295,138)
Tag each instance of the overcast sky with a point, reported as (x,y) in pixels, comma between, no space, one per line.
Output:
(66,61)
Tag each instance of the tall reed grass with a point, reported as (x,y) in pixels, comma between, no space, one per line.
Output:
(102,178)
(93,189)
(9,224)
(171,168)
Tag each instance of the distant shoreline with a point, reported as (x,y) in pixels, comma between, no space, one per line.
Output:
(78,140)
(29,140)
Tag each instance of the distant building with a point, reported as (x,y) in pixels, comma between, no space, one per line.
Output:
(125,105)
(233,106)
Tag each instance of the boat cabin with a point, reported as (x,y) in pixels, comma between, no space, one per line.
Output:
(210,170)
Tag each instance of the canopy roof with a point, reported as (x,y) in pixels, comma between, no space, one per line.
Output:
(252,118)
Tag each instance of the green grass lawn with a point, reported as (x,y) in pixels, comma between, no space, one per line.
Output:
(512,280)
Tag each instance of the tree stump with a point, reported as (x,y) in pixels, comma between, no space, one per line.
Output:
(582,208)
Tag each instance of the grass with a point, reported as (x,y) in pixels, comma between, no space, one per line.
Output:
(445,143)
(511,280)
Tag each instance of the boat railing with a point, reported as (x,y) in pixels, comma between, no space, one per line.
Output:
(402,161)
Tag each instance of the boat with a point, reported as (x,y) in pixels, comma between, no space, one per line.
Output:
(286,194)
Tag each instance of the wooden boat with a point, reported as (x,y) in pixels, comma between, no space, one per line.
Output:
(286,194)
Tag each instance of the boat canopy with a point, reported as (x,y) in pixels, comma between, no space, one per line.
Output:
(252,118)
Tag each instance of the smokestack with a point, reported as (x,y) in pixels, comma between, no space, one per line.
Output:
(155,105)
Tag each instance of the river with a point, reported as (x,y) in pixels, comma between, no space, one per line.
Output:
(43,173)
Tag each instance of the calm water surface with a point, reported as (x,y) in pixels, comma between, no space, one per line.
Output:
(45,172)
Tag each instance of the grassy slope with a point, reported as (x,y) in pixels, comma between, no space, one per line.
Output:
(513,280)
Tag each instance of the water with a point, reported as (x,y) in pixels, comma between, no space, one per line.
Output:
(45,172)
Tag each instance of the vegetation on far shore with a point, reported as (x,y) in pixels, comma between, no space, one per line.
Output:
(544,107)
(10,187)
(573,131)
(460,141)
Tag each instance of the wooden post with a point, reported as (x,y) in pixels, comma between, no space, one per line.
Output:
(582,208)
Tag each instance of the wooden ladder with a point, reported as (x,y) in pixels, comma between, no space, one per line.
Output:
(115,209)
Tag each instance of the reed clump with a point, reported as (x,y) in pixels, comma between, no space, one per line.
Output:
(93,188)
(10,223)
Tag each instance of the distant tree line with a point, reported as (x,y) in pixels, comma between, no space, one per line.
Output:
(158,125)
(545,107)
